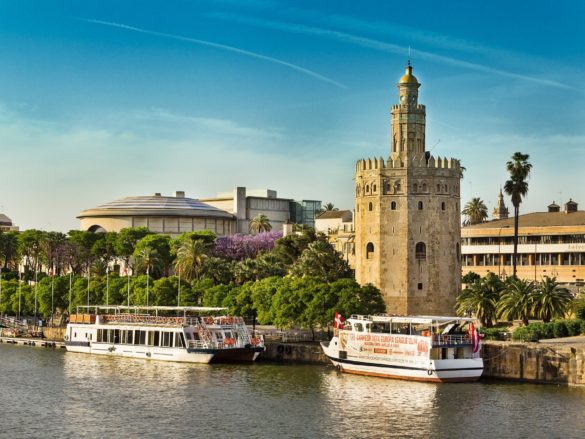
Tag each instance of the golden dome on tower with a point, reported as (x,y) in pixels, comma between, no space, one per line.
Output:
(408,77)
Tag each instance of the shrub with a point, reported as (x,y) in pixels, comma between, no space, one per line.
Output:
(556,329)
(494,333)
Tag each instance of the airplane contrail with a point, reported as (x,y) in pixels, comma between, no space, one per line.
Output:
(220,46)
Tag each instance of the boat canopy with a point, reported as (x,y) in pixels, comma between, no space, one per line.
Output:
(152,308)
(412,319)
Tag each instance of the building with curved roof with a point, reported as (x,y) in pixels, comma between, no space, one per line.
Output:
(160,214)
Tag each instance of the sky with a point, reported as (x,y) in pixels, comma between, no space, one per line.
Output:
(105,99)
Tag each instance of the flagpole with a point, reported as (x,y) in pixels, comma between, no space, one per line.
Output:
(107,285)
(179,290)
(128,276)
(147,279)
(70,282)
(0,291)
(19,292)
(36,286)
(88,275)
(52,296)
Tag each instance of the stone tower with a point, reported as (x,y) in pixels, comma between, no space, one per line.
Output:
(408,223)
(500,211)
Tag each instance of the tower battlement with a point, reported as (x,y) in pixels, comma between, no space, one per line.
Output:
(418,162)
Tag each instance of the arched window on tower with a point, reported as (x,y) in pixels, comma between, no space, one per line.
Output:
(374,188)
(424,188)
(420,205)
(367,188)
(415,187)
(420,251)
(393,205)
(369,250)
(370,207)
(442,205)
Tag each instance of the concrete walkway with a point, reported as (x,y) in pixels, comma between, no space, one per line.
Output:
(577,340)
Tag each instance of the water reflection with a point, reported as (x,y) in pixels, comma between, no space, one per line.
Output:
(380,407)
(48,393)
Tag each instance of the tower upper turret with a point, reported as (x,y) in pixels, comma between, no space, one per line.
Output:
(408,87)
(408,119)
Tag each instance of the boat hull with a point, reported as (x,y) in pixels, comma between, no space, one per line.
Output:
(438,371)
(236,355)
(142,352)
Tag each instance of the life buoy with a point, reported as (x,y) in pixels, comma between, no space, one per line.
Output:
(209,320)
(66,338)
(230,320)
(429,372)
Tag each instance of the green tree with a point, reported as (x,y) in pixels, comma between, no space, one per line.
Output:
(9,249)
(126,242)
(517,187)
(354,299)
(217,269)
(320,259)
(190,258)
(30,243)
(260,223)
(153,255)
(475,211)
(516,300)
(481,299)
(550,300)
(263,292)
(83,242)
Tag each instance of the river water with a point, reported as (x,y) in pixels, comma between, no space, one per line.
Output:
(47,393)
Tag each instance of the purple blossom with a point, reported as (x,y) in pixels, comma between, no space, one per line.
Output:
(238,247)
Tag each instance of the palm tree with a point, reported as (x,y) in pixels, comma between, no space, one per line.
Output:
(550,301)
(476,212)
(190,257)
(481,299)
(328,207)
(260,223)
(517,187)
(517,300)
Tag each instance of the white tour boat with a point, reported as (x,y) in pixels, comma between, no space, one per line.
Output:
(421,348)
(169,333)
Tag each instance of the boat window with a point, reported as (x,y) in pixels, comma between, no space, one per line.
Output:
(116,336)
(400,328)
(156,341)
(100,335)
(422,329)
(129,336)
(179,341)
(358,327)
(166,339)
(381,327)
(140,338)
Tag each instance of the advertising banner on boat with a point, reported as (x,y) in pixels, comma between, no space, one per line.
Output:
(390,344)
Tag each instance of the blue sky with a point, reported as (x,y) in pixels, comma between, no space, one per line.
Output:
(105,99)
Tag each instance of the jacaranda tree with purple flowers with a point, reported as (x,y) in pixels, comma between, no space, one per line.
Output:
(239,247)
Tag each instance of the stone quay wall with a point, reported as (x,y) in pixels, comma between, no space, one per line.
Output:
(550,363)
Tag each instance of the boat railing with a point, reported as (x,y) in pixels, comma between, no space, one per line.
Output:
(197,344)
(145,319)
(451,339)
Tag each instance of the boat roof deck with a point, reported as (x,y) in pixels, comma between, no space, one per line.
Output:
(411,319)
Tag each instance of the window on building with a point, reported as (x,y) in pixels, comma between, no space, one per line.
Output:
(374,188)
(367,188)
(420,251)
(420,286)
(415,187)
(369,250)
(438,188)
(370,207)
(443,205)
(393,205)
(424,187)
(420,205)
